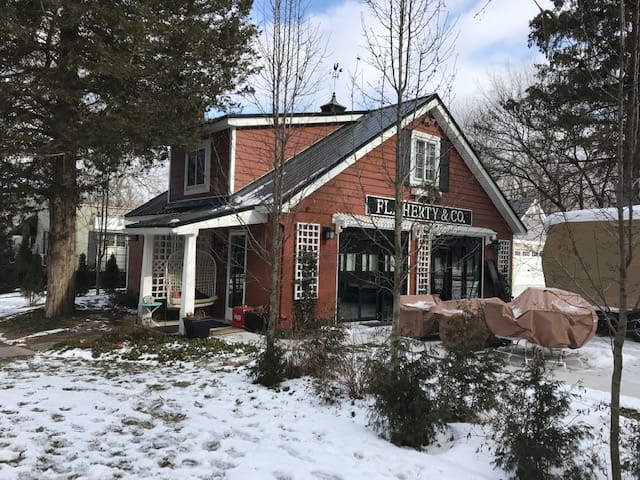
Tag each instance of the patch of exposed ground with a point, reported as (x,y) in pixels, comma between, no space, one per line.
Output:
(32,330)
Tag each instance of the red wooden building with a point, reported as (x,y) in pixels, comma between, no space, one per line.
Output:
(196,244)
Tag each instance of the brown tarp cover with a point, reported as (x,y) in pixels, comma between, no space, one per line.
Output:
(581,257)
(462,323)
(554,318)
(413,316)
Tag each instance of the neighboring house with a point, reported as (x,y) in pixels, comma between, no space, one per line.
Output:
(338,198)
(527,248)
(89,230)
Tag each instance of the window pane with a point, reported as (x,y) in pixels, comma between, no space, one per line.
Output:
(351,262)
(200,167)
(195,167)
(191,169)
(373,262)
(430,162)
(419,160)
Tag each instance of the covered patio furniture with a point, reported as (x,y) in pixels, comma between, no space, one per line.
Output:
(554,318)
(414,321)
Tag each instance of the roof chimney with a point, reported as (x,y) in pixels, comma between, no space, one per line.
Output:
(333,106)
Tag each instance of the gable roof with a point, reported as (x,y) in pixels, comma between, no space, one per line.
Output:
(521,205)
(316,165)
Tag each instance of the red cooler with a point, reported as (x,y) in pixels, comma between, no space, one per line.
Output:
(237,315)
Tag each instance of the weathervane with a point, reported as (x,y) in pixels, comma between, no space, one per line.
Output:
(335,75)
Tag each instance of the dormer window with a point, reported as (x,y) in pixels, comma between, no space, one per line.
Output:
(425,159)
(197,167)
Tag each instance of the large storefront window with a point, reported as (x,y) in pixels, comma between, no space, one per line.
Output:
(456,265)
(365,274)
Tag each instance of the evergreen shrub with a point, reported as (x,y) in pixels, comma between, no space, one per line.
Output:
(83,276)
(631,449)
(469,384)
(270,368)
(405,407)
(111,276)
(534,438)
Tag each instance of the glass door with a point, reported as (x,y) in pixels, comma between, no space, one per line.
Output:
(236,271)
(455,267)
(365,274)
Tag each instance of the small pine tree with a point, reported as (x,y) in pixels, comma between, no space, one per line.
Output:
(33,280)
(111,278)
(270,368)
(405,408)
(8,279)
(469,385)
(534,440)
(25,256)
(83,277)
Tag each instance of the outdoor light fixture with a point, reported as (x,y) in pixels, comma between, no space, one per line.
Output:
(328,233)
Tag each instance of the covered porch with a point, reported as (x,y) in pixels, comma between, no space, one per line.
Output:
(193,269)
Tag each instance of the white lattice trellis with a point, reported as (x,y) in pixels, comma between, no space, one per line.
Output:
(163,247)
(504,258)
(423,264)
(307,240)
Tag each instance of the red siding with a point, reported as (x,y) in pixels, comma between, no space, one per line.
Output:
(219,180)
(254,149)
(373,175)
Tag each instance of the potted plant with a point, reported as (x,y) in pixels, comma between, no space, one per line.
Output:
(196,327)
(256,320)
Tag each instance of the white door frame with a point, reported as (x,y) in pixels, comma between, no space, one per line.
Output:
(227,310)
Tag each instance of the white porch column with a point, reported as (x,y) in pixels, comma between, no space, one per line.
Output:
(188,300)
(146,273)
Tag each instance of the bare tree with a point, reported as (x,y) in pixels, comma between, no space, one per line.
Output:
(627,187)
(532,154)
(409,44)
(291,52)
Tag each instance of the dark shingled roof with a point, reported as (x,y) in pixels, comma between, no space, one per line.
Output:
(299,172)
(160,205)
(313,162)
(520,205)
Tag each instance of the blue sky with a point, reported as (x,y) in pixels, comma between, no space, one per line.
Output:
(491,40)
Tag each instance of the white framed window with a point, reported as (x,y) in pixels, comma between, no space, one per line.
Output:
(197,168)
(504,256)
(425,158)
(307,242)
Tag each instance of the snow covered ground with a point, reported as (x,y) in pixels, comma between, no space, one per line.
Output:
(66,415)
(14,303)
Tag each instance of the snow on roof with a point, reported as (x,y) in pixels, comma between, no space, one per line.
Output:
(591,215)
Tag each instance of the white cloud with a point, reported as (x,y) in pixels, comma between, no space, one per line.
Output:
(491,39)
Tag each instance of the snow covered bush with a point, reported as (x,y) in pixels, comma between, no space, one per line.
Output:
(534,438)
(631,448)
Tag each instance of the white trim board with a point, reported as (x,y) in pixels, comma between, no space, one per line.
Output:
(267,121)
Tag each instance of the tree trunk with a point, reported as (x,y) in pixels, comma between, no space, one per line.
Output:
(61,258)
